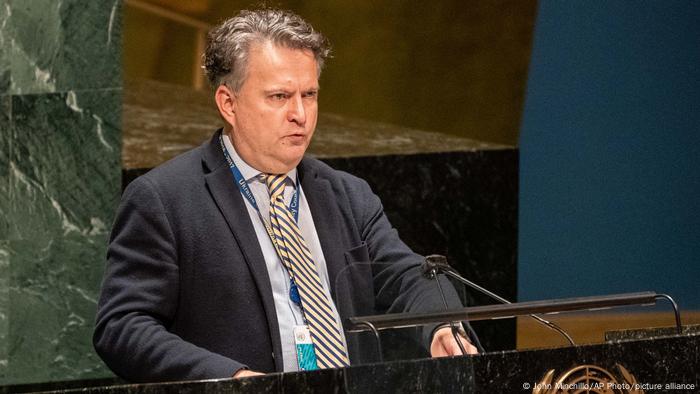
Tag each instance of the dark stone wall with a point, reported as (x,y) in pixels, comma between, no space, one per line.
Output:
(463,205)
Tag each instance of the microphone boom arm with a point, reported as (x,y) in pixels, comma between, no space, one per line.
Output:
(495,296)
(438,263)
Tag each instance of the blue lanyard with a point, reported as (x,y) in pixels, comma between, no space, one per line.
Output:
(248,194)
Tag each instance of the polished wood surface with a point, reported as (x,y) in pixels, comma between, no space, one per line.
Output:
(590,328)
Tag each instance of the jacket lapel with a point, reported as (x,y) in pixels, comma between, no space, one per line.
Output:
(326,217)
(223,190)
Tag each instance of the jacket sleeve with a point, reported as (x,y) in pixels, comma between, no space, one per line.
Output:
(139,298)
(398,282)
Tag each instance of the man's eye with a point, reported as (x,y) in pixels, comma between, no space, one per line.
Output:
(279,96)
(311,94)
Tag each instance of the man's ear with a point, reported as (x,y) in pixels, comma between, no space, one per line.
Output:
(226,102)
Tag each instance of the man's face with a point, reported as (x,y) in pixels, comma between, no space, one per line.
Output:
(276,109)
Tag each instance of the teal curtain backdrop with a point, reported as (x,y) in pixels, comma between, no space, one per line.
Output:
(610,151)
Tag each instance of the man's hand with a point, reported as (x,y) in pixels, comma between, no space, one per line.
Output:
(444,344)
(246,373)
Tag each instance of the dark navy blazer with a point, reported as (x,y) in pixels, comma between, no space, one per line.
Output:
(186,293)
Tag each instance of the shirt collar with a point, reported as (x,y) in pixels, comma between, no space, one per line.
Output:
(249,173)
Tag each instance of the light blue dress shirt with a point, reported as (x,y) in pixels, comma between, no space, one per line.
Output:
(288,313)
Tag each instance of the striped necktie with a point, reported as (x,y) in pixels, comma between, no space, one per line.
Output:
(296,257)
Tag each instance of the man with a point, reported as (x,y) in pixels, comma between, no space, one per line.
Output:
(243,257)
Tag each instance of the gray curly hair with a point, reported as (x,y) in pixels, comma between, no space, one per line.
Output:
(228,44)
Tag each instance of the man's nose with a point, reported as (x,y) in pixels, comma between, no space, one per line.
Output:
(296,112)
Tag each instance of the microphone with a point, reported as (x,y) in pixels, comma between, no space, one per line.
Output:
(435,264)
(430,271)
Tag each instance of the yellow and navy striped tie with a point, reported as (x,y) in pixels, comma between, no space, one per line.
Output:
(295,255)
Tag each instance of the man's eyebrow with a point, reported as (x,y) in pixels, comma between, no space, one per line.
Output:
(276,89)
(282,89)
(314,89)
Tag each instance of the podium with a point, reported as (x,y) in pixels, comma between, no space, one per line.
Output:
(653,365)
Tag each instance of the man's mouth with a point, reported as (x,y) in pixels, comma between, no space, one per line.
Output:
(296,138)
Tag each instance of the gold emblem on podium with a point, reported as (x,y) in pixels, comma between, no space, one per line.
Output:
(588,379)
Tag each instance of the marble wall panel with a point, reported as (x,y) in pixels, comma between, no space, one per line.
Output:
(60,160)
(64,176)
(52,299)
(4,54)
(57,45)
(4,305)
(5,113)
(64,162)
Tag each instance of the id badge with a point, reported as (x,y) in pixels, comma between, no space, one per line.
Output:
(305,348)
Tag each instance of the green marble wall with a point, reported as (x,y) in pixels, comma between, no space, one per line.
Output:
(60,132)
